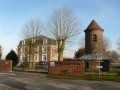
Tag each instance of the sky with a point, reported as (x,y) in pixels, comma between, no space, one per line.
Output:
(15,13)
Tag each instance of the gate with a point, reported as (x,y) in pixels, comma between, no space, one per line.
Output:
(32,67)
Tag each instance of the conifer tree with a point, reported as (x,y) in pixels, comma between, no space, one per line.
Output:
(12,56)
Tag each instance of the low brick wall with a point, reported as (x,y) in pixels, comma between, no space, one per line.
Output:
(5,65)
(67,68)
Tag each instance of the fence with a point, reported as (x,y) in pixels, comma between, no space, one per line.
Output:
(67,68)
(73,67)
(32,66)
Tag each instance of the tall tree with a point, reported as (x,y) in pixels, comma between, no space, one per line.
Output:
(63,25)
(31,31)
(12,56)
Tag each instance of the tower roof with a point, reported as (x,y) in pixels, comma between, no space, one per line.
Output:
(93,25)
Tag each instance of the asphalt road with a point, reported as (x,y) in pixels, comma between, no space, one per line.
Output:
(37,81)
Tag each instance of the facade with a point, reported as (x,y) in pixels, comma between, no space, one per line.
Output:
(41,48)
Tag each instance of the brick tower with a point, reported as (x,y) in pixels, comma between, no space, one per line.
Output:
(93,39)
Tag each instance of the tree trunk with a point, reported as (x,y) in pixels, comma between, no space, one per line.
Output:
(60,55)
(61,46)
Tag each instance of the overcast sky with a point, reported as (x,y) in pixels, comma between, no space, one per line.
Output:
(14,14)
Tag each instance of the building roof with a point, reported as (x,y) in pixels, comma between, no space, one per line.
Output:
(39,40)
(94,57)
(93,25)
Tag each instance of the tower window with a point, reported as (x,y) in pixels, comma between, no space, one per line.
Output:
(94,38)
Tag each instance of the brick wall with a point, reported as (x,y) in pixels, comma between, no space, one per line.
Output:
(5,65)
(116,62)
(67,68)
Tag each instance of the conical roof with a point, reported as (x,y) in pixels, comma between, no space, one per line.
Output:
(93,25)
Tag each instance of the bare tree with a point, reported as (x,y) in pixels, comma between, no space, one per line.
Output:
(32,28)
(31,31)
(63,26)
(113,54)
(106,44)
(82,42)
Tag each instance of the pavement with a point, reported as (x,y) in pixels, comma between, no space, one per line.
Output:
(38,81)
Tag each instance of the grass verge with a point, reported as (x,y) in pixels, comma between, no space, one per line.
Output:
(87,77)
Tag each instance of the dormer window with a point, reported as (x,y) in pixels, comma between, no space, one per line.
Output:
(44,41)
(23,42)
(94,38)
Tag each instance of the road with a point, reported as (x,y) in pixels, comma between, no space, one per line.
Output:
(37,81)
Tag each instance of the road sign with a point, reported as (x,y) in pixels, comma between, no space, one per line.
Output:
(99,61)
(99,67)
(52,64)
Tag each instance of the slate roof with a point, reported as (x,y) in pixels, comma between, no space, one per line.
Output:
(93,25)
(94,57)
(39,40)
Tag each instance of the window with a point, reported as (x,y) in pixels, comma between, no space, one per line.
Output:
(23,58)
(22,50)
(35,57)
(44,49)
(26,49)
(18,49)
(35,49)
(94,38)
(44,41)
(23,42)
(44,57)
(28,57)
